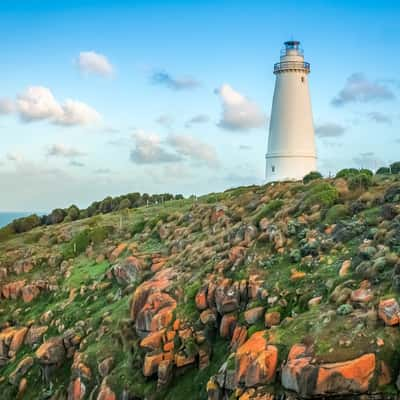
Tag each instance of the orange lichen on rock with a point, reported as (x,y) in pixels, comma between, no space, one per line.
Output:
(256,361)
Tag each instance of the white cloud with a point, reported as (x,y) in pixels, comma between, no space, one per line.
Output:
(38,103)
(239,113)
(61,150)
(194,149)
(90,62)
(149,150)
(165,120)
(7,106)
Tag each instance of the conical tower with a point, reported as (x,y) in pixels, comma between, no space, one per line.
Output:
(291,144)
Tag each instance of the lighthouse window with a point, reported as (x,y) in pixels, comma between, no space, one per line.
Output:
(302,79)
(273,168)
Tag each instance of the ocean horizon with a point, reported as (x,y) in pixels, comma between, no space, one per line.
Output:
(7,217)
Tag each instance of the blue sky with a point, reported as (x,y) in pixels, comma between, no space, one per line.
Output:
(118,83)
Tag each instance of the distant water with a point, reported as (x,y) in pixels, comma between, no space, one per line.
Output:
(7,217)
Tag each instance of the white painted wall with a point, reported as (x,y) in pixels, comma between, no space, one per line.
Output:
(291,144)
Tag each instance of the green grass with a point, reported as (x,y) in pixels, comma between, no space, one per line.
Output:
(86,272)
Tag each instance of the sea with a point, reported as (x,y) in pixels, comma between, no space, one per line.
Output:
(7,217)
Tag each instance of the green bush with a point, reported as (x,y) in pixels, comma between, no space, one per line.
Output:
(360,181)
(25,224)
(383,171)
(268,210)
(395,167)
(311,176)
(322,193)
(336,213)
(77,245)
(347,172)
(138,227)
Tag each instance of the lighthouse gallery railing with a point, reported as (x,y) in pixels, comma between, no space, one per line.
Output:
(292,65)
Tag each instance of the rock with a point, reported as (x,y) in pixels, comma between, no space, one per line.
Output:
(272,318)
(239,337)
(29,293)
(153,341)
(12,290)
(208,317)
(362,296)
(228,323)
(236,253)
(344,269)
(22,368)
(389,312)
(76,390)
(296,275)
(23,385)
(127,271)
(182,359)
(106,393)
(117,252)
(342,378)
(253,315)
(227,297)
(151,363)
(314,301)
(201,298)
(35,334)
(164,373)
(17,340)
(51,352)
(255,361)
(106,366)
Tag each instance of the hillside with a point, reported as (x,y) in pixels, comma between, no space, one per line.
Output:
(265,292)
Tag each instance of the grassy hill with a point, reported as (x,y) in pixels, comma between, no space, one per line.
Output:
(264,292)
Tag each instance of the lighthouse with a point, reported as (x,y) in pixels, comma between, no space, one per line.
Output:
(291,150)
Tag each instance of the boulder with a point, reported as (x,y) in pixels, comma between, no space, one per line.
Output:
(76,389)
(105,393)
(308,379)
(201,298)
(272,318)
(255,361)
(151,363)
(51,352)
(22,368)
(239,337)
(227,296)
(35,334)
(389,311)
(117,252)
(228,323)
(253,315)
(29,293)
(344,269)
(127,271)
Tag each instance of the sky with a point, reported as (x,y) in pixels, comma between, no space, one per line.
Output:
(103,98)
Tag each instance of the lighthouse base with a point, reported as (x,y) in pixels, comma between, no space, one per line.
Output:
(288,167)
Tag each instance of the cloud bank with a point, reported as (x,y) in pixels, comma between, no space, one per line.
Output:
(329,130)
(164,78)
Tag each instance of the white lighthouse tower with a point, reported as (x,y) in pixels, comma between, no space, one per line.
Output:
(291,145)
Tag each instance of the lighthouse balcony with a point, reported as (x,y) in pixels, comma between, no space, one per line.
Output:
(285,66)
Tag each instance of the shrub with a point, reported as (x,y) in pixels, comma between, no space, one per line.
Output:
(395,167)
(383,171)
(268,210)
(311,176)
(25,224)
(336,213)
(322,193)
(125,203)
(347,172)
(73,213)
(138,227)
(360,181)
(77,245)
(366,172)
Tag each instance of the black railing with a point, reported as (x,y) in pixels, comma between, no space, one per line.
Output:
(292,65)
